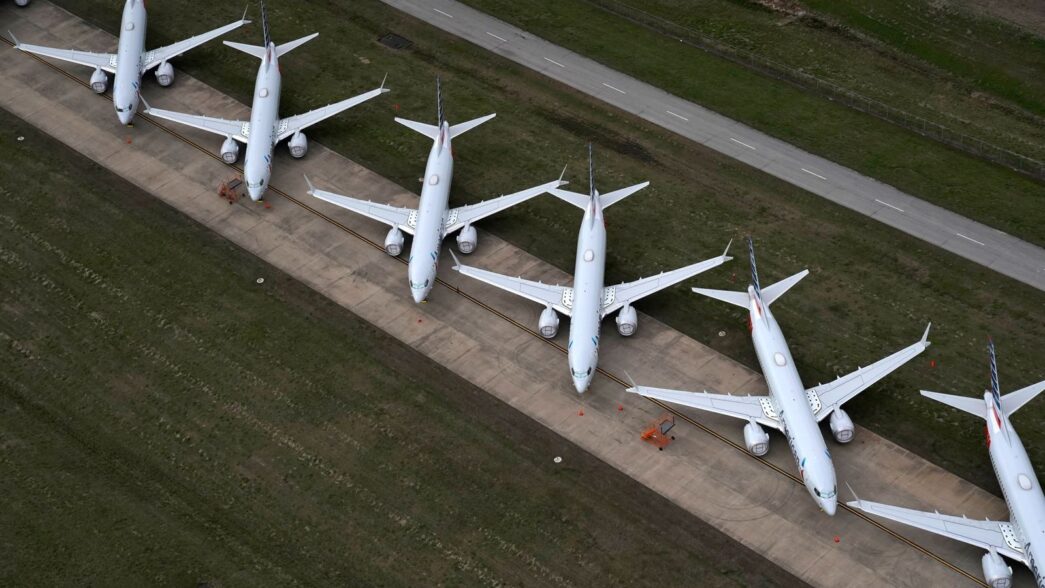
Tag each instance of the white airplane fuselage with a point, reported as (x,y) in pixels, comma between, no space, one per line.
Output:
(431,216)
(130,52)
(264,116)
(1019,486)
(588,286)
(788,395)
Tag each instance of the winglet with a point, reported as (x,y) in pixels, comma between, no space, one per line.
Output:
(726,252)
(383,80)
(144,103)
(925,336)
(13,38)
(634,386)
(563,174)
(457,262)
(853,492)
(311,188)
(245,9)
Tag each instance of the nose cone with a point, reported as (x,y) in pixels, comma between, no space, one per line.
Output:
(829,506)
(581,384)
(420,295)
(125,116)
(255,193)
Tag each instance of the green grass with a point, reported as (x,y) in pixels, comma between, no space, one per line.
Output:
(982,191)
(164,420)
(872,288)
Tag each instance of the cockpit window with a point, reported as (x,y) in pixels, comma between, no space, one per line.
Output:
(825,494)
(577,374)
(419,285)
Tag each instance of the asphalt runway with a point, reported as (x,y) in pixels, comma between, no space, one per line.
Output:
(975,241)
(489,336)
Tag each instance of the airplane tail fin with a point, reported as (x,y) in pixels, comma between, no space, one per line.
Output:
(1013,401)
(266,37)
(973,406)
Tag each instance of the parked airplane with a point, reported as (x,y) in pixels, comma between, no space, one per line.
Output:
(1022,539)
(589,301)
(131,60)
(265,128)
(433,219)
(790,407)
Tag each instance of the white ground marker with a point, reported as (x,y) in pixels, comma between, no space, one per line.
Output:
(553,61)
(887,204)
(969,238)
(446,14)
(738,141)
(677,115)
(813,174)
(614,89)
(496,37)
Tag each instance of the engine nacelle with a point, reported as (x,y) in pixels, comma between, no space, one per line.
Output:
(99,81)
(627,321)
(229,150)
(549,323)
(467,239)
(21,3)
(756,439)
(842,426)
(995,571)
(394,242)
(165,74)
(298,145)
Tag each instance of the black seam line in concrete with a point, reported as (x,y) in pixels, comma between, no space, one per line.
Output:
(1001,252)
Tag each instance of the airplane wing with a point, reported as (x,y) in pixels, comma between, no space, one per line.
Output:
(103,61)
(404,218)
(999,535)
(237,129)
(615,297)
(834,394)
(558,297)
(161,54)
(290,125)
(463,215)
(758,408)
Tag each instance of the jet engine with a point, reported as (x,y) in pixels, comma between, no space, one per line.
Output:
(99,81)
(995,572)
(841,426)
(756,439)
(165,74)
(627,321)
(21,3)
(467,239)
(298,145)
(394,242)
(229,150)
(549,323)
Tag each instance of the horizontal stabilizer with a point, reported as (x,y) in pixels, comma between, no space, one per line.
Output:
(462,128)
(1012,402)
(430,131)
(740,299)
(607,200)
(974,406)
(285,48)
(771,293)
(255,50)
(581,201)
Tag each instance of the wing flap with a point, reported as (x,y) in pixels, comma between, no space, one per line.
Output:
(834,394)
(757,408)
(463,215)
(984,534)
(290,125)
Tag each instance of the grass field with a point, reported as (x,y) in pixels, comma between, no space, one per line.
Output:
(165,420)
(872,288)
(919,166)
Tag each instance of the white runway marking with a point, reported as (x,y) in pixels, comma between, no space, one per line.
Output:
(969,238)
(553,61)
(612,88)
(446,14)
(742,143)
(813,174)
(495,36)
(677,115)
(887,204)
